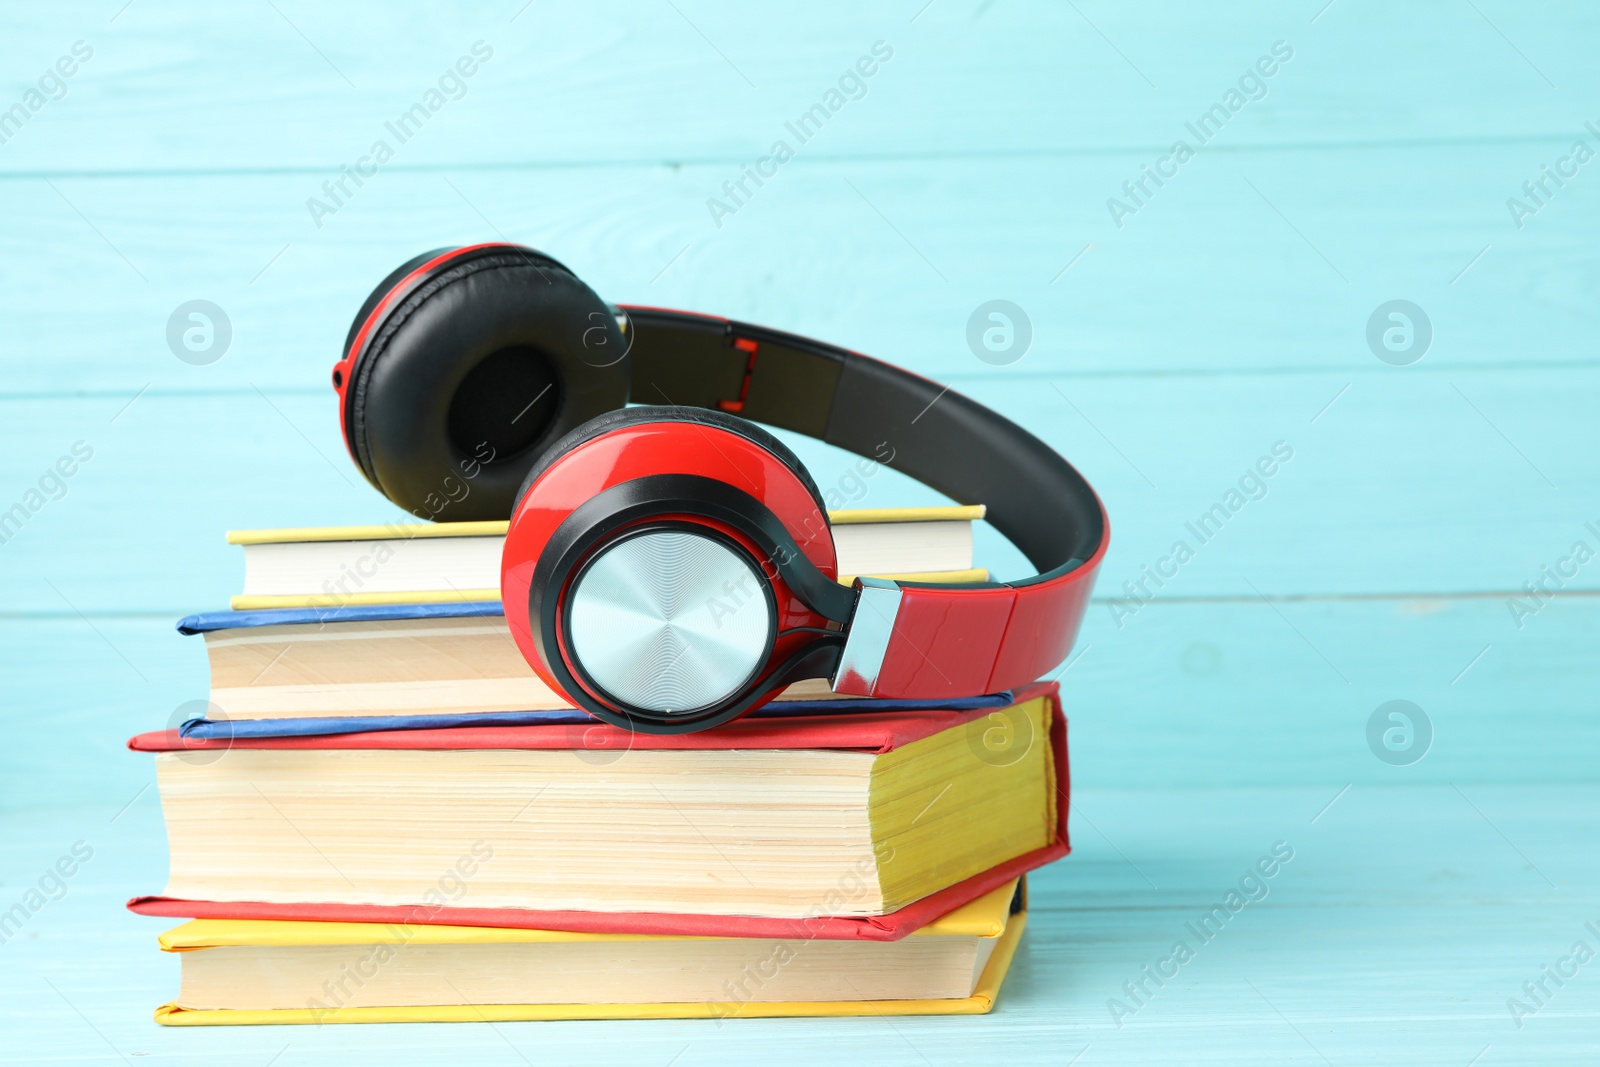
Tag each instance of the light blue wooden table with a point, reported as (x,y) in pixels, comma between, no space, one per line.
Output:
(1177,336)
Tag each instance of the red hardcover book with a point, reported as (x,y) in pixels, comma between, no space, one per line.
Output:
(873,733)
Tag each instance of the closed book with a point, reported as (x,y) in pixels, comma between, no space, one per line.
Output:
(342,566)
(257,972)
(393,661)
(860,825)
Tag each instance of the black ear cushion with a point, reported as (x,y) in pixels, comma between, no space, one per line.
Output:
(467,380)
(674,413)
(382,290)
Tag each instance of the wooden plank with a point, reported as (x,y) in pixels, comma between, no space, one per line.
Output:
(1381,493)
(1201,695)
(311,87)
(1248,260)
(1404,921)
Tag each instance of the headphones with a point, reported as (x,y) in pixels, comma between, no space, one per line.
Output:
(670,567)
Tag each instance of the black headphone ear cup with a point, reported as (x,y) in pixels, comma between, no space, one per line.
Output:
(674,413)
(465,381)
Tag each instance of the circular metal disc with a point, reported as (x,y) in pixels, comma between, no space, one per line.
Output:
(669,621)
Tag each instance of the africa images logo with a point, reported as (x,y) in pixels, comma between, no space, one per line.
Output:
(851,85)
(451,85)
(1251,86)
(51,85)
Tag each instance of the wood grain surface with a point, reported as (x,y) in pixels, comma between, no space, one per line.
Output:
(1176,340)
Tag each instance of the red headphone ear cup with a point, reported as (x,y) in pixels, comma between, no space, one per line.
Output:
(583,494)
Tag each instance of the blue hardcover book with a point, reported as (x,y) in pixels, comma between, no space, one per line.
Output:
(296,672)
(208,621)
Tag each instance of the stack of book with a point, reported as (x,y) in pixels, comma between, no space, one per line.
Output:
(385,816)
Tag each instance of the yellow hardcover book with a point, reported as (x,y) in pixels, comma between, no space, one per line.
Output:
(411,563)
(260,972)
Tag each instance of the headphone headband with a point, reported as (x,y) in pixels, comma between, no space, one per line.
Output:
(922,640)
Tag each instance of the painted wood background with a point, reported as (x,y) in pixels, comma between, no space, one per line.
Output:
(1226,313)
